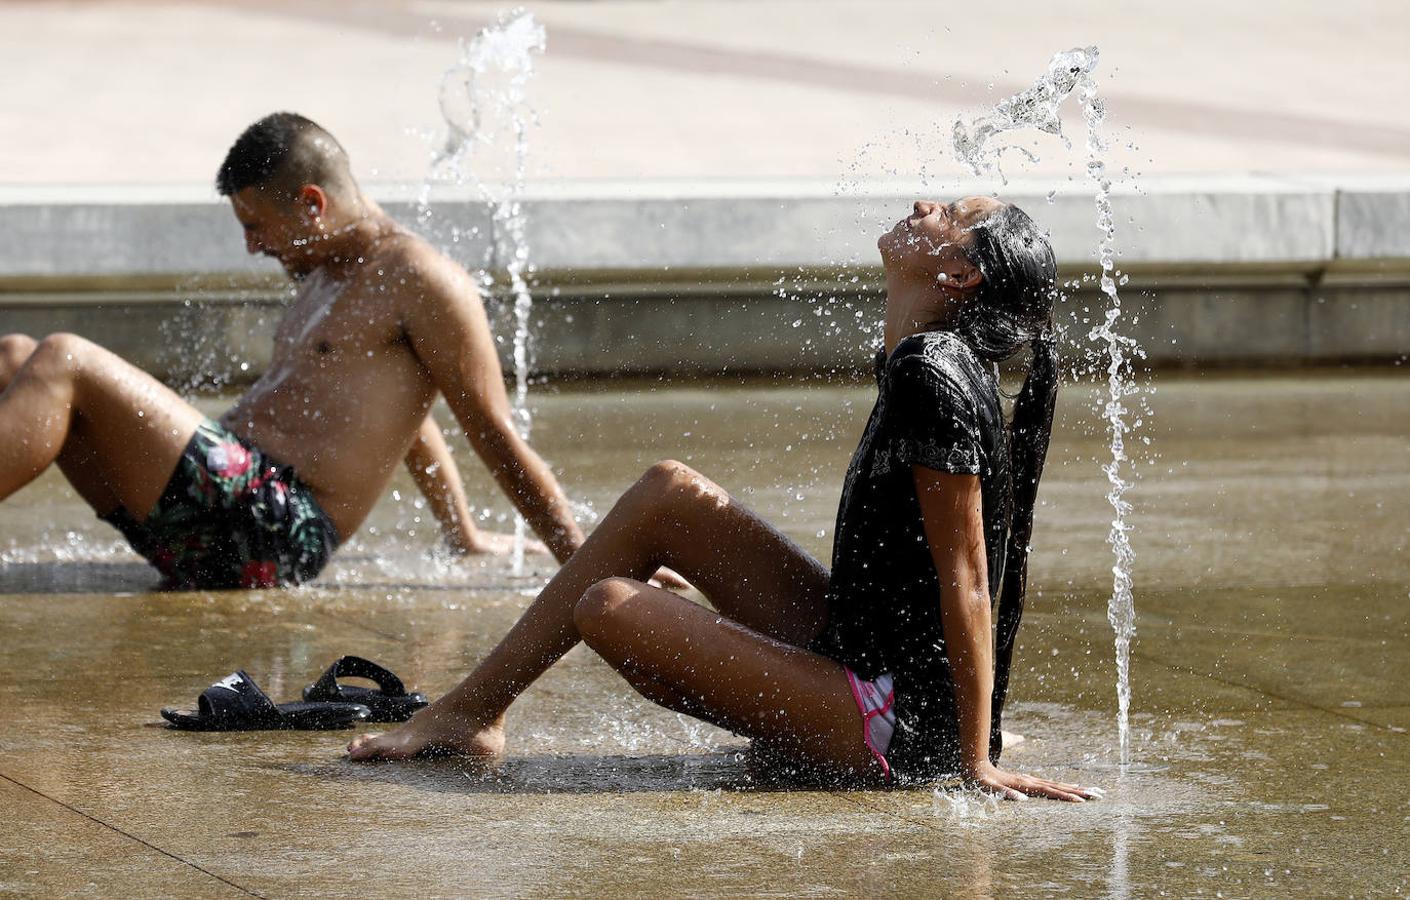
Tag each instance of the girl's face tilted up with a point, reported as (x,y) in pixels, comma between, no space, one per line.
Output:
(929,243)
(929,276)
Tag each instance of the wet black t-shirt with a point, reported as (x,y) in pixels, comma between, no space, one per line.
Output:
(937,406)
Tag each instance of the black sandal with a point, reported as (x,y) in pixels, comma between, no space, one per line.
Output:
(236,703)
(389,701)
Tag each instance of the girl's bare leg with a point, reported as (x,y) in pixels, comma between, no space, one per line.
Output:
(671,517)
(700,663)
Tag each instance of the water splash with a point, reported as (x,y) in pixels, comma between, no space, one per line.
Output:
(66,546)
(195,358)
(483,101)
(1039,108)
(971,806)
(1121,607)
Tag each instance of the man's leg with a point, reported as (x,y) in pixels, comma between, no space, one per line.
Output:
(14,351)
(672,517)
(77,460)
(116,431)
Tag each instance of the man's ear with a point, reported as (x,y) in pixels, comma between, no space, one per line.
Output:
(313,200)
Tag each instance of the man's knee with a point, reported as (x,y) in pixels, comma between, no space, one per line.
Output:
(61,350)
(599,612)
(16,346)
(15,350)
(62,356)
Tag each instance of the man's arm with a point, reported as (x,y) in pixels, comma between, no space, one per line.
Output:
(437,478)
(450,333)
(953,512)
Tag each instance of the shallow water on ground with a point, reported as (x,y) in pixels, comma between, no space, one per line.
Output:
(1270,721)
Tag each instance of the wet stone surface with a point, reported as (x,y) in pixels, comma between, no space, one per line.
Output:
(1270,719)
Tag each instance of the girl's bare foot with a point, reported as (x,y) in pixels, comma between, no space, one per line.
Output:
(431,733)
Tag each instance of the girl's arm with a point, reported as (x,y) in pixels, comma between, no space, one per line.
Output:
(953,511)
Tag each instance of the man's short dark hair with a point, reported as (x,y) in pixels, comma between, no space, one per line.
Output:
(281,153)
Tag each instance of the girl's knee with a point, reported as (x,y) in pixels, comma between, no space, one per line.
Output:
(671,487)
(598,612)
(665,476)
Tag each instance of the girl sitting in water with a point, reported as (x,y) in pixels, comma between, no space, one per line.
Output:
(886,667)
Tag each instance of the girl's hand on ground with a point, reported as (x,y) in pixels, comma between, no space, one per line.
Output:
(1013,786)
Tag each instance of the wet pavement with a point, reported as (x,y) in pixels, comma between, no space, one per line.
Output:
(1270,714)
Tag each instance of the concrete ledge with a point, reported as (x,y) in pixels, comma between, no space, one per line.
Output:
(58,232)
(1373,222)
(788,228)
(653,276)
(66,233)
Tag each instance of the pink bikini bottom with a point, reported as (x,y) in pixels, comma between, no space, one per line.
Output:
(875,700)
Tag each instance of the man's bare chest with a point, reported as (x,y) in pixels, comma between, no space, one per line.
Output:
(330,323)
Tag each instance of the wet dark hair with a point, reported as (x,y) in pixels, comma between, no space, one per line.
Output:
(283,152)
(1013,309)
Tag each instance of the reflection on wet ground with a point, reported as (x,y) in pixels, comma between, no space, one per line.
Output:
(1270,717)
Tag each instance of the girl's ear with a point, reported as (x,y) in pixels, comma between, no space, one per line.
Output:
(967,278)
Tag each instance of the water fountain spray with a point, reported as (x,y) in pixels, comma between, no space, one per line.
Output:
(483,96)
(1038,108)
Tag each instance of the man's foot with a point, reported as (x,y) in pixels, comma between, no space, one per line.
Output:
(430,734)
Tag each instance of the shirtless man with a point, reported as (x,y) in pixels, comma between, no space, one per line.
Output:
(381,323)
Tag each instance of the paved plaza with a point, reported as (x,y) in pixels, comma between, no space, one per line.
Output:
(153,92)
